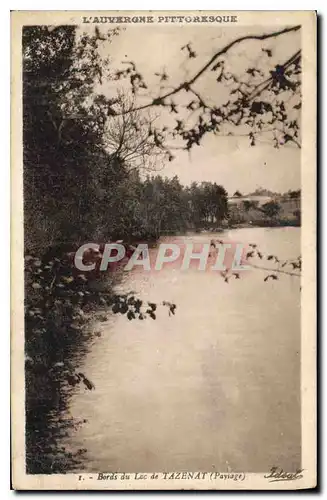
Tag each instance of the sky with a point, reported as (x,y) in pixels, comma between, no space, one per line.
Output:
(233,163)
(229,161)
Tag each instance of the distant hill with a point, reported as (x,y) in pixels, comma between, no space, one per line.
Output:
(250,209)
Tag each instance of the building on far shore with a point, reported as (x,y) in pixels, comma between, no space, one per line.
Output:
(249,208)
(258,200)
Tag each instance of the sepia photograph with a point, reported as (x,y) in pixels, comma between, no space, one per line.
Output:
(163,246)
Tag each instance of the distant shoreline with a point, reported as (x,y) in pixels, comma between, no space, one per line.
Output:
(242,225)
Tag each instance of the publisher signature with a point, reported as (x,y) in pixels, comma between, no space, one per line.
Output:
(278,474)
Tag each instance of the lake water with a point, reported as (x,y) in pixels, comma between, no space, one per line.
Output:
(215,387)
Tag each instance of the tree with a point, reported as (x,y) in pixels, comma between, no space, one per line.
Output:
(75,189)
(249,205)
(208,204)
(76,151)
(295,194)
(127,136)
(77,134)
(271,209)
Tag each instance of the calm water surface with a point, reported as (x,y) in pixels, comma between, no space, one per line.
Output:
(217,386)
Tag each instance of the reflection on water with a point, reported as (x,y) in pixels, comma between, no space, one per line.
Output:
(217,386)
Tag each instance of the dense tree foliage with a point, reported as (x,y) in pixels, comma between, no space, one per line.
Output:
(79,144)
(271,209)
(67,168)
(79,161)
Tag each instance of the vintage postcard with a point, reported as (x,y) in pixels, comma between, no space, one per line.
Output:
(163,250)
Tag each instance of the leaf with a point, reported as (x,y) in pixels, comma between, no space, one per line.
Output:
(89,385)
(130,315)
(74,326)
(68,279)
(124,308)
(115,308)
(268,52)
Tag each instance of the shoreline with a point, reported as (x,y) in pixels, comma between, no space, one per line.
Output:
(221,229)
